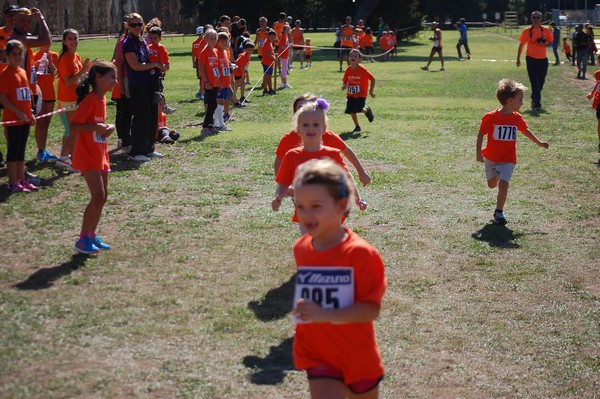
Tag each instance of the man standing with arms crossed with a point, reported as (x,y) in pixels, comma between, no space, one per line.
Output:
(536,37)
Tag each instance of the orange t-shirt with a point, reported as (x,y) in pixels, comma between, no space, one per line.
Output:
(297,36)
(209,60)
(15,85)
(596,95)
(261,38)
(501,131)
(284,51)
(530,36)
(357,81)
(45,78)
(4,35)
(242,62)
(267,48)
(348,347)
(307,50)
(197,47)
(293,140)
(297,156)
(224,69)
(158,53)
(68,65)
(368,39)
(347,36)
(91,149)
(278,28)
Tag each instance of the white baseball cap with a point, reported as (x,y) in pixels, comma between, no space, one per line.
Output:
(200,30)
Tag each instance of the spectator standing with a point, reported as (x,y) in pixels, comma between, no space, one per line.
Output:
(581,46)
(556,41)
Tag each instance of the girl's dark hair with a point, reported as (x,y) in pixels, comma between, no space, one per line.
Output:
(367,30)
(99,67)
(12,44)
(65,49)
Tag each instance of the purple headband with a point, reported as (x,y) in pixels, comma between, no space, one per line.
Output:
(322,103)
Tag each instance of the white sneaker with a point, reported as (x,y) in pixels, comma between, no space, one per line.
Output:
(154,154)
(224,128)
(169,110)
(302,67)
(139,158)
(64,161)
(285,86)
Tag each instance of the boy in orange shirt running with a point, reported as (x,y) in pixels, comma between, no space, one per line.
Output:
(356,83)
(500,154)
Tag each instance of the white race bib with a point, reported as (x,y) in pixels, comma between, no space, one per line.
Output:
(23,94)
(216,72)
(98,138)
(505,132)
(329,287)
(353,89)
(226,71)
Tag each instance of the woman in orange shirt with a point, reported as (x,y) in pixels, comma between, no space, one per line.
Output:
(91,153)
(70,69)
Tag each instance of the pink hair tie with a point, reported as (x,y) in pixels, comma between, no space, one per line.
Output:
(322,103)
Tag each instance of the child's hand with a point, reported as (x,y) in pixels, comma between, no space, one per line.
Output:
(365,179)
(307,310)
(589,96)
(276,203)
(372,93)
(544,144)
(108,130)
(87,64)
(361,203)
(479,157)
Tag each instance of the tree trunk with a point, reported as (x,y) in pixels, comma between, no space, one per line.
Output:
(364,9)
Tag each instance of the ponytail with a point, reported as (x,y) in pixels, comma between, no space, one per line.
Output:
(99,67)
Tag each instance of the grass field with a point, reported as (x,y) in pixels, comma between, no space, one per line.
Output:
(193,300)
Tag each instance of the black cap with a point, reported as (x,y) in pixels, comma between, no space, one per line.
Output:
(11,8)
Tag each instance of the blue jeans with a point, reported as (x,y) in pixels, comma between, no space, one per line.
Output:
(537,68)
(582,62)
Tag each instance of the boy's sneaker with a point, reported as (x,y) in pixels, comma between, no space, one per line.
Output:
(499,218)
(356,129)
(154,154)
(35,179)
(63,161)
(369,114)
(169,110)
(442,69)
(224,128)
(208,131)
(425,68)
(139,158)
(85,245)
(45,156)
(29,185)
(271,92)
(285,86)
(265,92)
(18,188)
(97,241)
(244,100)
(239,105)
(228,118)
(200,96)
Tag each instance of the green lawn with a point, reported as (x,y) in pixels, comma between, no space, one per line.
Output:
(193,300)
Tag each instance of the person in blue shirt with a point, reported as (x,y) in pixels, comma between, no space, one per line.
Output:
(556,42)
(463,40)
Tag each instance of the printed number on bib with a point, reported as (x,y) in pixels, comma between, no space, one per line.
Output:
(329,287)
(505,133)
(226,71)
(23,94)
(353,89)
(98,138)
(216,72)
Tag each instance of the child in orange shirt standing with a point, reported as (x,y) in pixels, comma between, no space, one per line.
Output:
(268,62)
(368,43)
(197,47)
(298,41)
(340,283)
(158,53)
(15,96)
(91,149)
(208,68)
(225,93)
(356,83)
(46,71)
(284,56)
(241,63)
(500,154)
(595,97)
(308,52)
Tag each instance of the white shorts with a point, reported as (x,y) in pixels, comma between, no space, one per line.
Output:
(502,170)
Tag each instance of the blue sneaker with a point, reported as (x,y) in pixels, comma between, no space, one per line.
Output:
(101,244)
(200,96)
(45,156)
(86,246)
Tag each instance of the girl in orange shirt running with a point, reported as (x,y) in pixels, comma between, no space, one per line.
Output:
(340,283)
(91,154)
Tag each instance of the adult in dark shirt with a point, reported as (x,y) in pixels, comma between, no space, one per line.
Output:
(581,45)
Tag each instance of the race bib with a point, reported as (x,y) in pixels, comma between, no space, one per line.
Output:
(226,71)
(505,132)
(261,42)
(353,89)
(98,138)
(216,72)
(329,287)
(23,94)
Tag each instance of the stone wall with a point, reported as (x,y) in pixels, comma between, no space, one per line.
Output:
(105,16)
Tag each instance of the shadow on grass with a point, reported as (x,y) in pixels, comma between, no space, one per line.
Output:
(535,112)
(44,278)
(277,303)
(350,135)
(271,369)
(497,236)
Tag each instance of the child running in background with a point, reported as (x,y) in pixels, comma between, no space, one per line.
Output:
(500,154)
(334,318)
(45,62)
(164,134)
(15,97)
(293,140)
(268,63)
(310,121)
(356,83)
(242,62)
(91,150)
(567,49)
(308,52)
(208,68)
(225,93)
(595,97)
(284,55)
(70,69)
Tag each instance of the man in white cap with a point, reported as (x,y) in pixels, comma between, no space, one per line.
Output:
(437,46)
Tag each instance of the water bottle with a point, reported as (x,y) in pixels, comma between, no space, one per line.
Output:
(43,65)
(33,75)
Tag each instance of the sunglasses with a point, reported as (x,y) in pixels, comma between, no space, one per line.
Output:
(136,25)
(536,17)
(24,12)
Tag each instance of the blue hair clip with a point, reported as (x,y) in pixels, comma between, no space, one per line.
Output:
(322,103)
(343,186)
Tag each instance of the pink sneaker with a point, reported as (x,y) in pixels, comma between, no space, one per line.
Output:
(29,185)
(18,188)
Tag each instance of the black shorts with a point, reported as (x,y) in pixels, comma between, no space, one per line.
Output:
(344,50)
(238,77)
(598,112)
(435,49)
(298,48)
(308,57)
(355,105)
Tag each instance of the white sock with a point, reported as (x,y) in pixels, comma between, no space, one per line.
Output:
(219,116)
